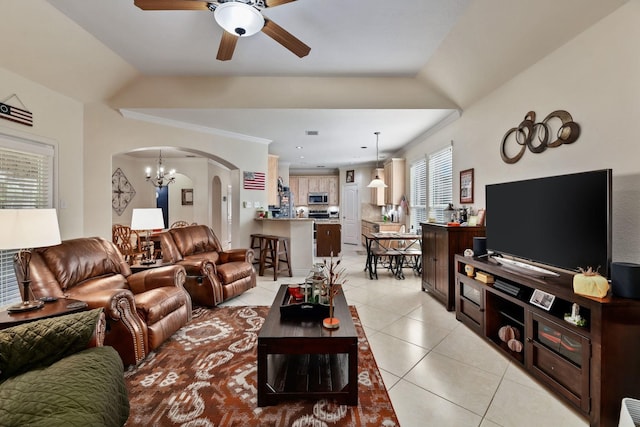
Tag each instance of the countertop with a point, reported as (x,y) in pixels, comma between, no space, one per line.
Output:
(284,219)
(321,221)
(381,222)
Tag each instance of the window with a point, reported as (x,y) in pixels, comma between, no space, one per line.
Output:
(418,201)
(26,181)
(440,182)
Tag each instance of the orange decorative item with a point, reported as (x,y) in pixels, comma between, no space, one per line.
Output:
(335,280)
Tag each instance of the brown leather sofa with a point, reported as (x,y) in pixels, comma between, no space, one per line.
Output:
(142,309)
(213,275)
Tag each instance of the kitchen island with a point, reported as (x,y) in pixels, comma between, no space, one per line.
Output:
(300,234)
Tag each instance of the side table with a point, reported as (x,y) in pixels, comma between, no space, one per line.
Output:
(141,267)
(59,307)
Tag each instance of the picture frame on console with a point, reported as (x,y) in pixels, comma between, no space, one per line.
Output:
(466,186)
(542,299)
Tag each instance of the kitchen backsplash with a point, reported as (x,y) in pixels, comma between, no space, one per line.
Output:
(370,212)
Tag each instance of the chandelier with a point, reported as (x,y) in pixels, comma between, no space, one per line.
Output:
(162,178)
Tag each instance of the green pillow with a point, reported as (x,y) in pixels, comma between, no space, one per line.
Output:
(43,342)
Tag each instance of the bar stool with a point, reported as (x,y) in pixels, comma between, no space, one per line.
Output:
(271,255)
(257,242)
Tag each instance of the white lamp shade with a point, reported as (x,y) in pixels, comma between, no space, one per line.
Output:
(28,228)
(377,183)
(238,18)
(147,219)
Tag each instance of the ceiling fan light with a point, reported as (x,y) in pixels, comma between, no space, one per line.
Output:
(239,19)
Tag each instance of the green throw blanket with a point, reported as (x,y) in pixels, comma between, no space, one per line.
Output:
(49,378)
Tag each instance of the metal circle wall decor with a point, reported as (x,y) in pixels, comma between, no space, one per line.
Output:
(528,131)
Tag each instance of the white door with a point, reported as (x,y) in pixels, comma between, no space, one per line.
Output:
(350,219)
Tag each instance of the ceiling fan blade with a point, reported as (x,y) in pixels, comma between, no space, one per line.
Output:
(285,38)
(227,46)
(171,4)
(273,3)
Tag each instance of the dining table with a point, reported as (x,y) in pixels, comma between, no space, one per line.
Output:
(394,251)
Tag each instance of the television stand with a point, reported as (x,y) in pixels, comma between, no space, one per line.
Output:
(528,268)
(592,367)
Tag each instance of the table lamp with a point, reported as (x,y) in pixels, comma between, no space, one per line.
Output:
(25,229)
(147,219)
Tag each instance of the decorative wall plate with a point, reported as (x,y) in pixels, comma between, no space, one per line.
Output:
(122,191)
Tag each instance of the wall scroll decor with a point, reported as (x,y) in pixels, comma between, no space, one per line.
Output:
(528,130)
(122,191)
(254,180)
(466,186)
(15,114)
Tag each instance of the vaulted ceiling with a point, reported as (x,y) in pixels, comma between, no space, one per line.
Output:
(460,50)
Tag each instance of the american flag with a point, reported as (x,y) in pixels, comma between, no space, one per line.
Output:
(17,115)
(254,180)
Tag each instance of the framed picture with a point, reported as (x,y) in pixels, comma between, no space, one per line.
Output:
(350,176)
(187,196)
(542,299)
(466,186)
(480,215)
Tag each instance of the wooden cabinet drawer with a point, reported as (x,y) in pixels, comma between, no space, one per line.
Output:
(560,357)
(470,304)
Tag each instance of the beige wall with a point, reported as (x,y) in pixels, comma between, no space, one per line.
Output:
(596,78)
(108,133)
(57,120)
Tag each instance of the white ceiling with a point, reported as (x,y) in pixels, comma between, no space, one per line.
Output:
(347,37)
(463,48)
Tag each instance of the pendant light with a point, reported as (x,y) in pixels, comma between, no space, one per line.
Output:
(377,182)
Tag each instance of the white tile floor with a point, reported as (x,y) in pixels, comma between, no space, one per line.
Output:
(437,372)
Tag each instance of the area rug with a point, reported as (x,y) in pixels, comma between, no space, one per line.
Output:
(205,375)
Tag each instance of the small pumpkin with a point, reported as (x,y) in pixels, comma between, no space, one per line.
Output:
(515,345)
(590,283)
(508,333)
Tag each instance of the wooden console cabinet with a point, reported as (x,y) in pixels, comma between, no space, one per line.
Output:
(592,367)
(440,243)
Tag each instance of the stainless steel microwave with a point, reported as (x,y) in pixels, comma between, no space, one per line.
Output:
(318,198)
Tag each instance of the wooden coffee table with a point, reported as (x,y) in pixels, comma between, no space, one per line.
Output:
(302,359)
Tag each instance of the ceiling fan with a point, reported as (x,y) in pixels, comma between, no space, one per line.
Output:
(238,18)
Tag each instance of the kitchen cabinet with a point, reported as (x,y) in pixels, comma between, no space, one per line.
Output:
(590,367)
(440,243)
(328,239)
(293,188)
(394,177)
(334,190)
(272,180)
(302,185)
(377,194)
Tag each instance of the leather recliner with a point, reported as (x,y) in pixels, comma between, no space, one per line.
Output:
(142,309)
(213,275)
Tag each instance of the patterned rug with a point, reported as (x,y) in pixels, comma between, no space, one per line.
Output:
(205,375)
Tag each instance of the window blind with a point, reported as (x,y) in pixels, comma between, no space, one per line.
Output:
(440,181)
(26,181)
(418,201)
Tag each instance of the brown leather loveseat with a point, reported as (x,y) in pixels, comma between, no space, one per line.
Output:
(213,275)
(142,309)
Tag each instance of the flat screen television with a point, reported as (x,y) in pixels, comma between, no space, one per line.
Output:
(561,221)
